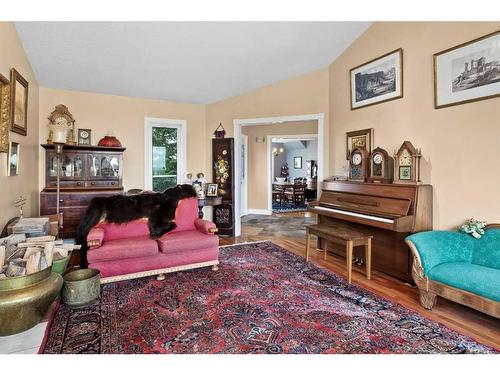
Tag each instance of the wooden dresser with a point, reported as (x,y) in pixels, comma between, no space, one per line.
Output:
(86,172)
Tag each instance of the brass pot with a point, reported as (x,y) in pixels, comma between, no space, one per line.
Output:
(24,300)
(81,287)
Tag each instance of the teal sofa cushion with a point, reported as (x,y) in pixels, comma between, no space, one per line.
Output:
(487,249)
(437,247)
(480,280)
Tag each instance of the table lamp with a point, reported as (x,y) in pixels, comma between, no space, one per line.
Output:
(59,137)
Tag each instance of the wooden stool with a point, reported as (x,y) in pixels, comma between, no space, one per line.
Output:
(348,237)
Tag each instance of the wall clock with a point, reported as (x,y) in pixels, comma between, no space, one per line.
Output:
(381,166)
(407,164)
(358,164)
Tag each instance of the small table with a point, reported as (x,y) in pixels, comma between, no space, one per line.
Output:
(207,201)
(346,236)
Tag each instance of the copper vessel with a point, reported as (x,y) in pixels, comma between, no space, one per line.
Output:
(24,300)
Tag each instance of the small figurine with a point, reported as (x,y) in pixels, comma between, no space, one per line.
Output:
(19,203)
(473,227)
(188,179)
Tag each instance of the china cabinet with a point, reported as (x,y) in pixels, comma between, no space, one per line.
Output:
(86,172)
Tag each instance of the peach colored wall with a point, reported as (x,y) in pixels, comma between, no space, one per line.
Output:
(258,156)
(12,55)
(124,116)
(305,94)
(460,144)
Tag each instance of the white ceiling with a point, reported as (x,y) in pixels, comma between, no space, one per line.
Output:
(194,62)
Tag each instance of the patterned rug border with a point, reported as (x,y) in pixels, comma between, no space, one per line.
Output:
(322,270)
(372,293)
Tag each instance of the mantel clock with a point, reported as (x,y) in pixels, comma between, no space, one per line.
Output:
(381,166)
(358,164)
(407,164)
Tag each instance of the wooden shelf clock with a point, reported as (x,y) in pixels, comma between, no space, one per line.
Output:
(358,164)
(381,166)
(407,164)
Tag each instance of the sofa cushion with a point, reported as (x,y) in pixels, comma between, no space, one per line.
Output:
(480,280)
(186,240)
(123,248)
(185,214)
(131,229)
(487,249)
(436,247)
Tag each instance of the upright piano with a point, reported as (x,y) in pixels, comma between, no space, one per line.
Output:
(389,212)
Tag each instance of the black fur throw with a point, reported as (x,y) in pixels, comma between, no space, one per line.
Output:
(158,208)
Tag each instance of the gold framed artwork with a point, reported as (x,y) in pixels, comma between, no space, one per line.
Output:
(4,114)
(358,138)
(19,103)
(468,72)
(13,159)
(378,80)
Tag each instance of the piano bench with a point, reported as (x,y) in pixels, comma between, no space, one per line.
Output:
(348,237)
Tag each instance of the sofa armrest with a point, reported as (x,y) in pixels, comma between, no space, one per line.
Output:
(437,247)
(95,238)
(205,226)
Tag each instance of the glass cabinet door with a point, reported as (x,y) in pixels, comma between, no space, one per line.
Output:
(104,166)
(71,167)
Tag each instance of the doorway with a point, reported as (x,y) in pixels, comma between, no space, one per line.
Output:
(238,139)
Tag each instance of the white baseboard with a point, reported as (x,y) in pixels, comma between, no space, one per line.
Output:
(257,211)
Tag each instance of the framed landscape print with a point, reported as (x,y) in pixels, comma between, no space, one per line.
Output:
(378,80)
(468,72)
(359,138)
(13,160)
(19,103)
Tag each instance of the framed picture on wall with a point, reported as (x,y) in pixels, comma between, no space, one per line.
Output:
(13,159)
(378,80)
(359,138)
(297,162)
(19,103)
(467,72)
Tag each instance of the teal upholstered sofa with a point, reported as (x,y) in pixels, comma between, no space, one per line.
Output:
(458,267)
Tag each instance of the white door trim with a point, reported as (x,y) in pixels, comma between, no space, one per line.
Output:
(244,190)
(181,125)
(239,123)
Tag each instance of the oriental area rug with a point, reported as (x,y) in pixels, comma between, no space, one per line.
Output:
(263,299)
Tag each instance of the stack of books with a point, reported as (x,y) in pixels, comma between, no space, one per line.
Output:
(32,227)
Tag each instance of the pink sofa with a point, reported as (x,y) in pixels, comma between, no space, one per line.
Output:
(126,251)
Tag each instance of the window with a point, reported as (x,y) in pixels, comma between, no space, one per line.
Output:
(165,153)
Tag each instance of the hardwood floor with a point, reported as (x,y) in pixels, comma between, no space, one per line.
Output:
(481,327)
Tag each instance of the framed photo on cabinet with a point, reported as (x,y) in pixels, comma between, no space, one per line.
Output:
(468,72)
(378,80)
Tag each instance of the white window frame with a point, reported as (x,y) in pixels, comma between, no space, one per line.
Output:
(181,126)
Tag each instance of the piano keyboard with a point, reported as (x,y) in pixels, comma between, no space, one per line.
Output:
(349,213)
